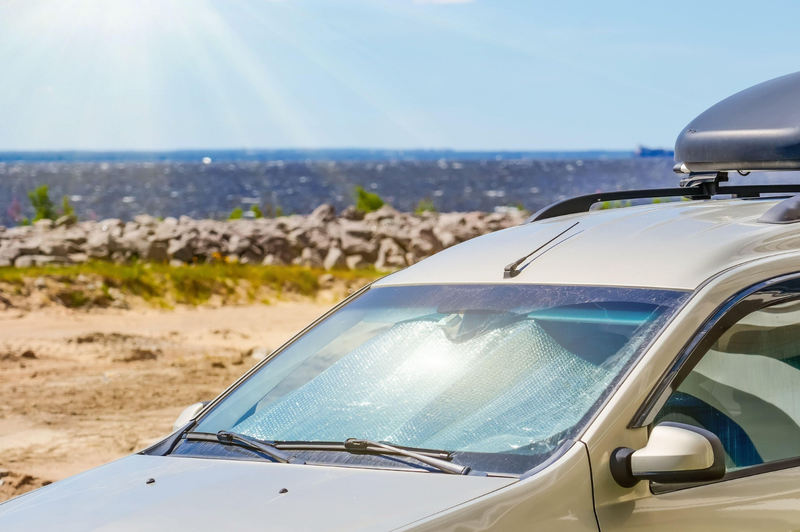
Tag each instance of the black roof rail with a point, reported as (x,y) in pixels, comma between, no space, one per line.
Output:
(696,187)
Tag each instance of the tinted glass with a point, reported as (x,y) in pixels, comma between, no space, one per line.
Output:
(500,375)
(746,389)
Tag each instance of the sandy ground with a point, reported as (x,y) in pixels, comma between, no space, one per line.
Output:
(80,389)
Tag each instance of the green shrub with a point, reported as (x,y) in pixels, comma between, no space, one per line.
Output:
(425,205)
(256,210)
(236,214)
(42,204)
(66,207)
(367,201)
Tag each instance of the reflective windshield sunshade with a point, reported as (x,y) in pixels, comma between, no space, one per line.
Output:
(481,371)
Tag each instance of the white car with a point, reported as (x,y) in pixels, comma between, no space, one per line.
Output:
(610,370)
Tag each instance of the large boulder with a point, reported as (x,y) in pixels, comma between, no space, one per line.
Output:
(318,238)
(424,242)
(181,248)
(398,229)
(446,238)
(19,232)
(335,259)
(30,246)
(238,244)
(157,251)
(278,248)
(322,215)
(309,258)
(390,255)
(76,235)
(351,213)
(357,262)
(166,231)
(386,211)
(57,247)
(357,239)
(66,221)
(252,255)
(100,244)
(43,225)
(9,251)
(135,241)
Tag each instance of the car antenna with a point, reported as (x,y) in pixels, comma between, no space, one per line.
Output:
(511,270)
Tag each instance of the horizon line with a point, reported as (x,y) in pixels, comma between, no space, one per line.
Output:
(317,154)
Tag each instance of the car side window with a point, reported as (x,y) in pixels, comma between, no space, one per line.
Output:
(746,389)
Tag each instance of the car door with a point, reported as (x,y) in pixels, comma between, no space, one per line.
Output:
(742,383)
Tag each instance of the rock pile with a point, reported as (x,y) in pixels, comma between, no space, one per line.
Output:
(386,238)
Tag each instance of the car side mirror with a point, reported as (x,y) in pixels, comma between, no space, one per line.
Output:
(675,453)
(188,414)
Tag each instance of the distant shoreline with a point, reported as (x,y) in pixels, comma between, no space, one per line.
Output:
(316,155)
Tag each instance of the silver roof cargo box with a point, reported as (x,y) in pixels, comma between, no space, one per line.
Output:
(756,129)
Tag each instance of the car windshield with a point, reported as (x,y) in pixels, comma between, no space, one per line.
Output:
(501,376)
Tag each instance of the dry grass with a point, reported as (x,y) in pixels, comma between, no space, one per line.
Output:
(96,283)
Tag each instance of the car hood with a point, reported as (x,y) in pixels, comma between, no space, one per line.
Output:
(208,494)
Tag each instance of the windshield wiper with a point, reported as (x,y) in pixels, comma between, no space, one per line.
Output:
(355,445)
(234,438)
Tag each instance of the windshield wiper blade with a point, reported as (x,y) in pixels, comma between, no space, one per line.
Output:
(355,445)
(341,446)
(369,446)
(234,438)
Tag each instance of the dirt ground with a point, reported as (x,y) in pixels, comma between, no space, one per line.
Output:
(79,389)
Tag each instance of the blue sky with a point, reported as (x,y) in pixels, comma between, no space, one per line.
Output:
(532,75)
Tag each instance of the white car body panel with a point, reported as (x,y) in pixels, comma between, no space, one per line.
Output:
(212,495)
(556,499)
(644,246)
(698,509)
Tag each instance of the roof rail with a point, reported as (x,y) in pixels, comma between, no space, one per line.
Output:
(695,187)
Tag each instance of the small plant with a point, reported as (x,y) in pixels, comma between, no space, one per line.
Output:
(425,205)
(42,204)
(256,210)
(367,201)
(66,207)
(271,211)
(236,214)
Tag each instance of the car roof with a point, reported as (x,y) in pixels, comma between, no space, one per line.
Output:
(674,245)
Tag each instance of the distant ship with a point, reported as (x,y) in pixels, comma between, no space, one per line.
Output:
(641,151)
